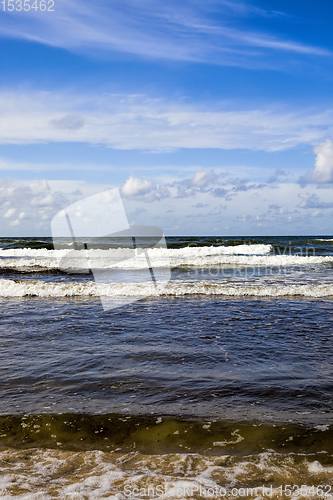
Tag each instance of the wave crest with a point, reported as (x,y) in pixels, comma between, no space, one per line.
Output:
(16,288)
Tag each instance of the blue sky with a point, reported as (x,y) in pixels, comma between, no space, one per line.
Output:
(211,117)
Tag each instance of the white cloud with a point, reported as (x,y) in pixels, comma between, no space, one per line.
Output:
(323,171)
(138,187)
(39,187)
(9,213)
(34,200)
(203,179)
(50,200)
(138,122)
(144,190)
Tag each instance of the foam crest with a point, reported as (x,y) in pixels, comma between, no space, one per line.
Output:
(17,288)
(190,251)
(30,260)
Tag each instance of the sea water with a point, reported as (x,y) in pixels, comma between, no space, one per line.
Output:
(218,383)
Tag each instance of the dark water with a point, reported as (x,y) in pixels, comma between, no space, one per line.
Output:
(292,244)
(211,357)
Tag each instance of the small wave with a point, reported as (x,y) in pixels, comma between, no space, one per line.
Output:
(17,288)
(118,456)
(156,432)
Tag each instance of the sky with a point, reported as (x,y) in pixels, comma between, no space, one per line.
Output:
(211,117)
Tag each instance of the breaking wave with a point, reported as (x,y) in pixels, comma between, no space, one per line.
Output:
(32,260)
(18,288)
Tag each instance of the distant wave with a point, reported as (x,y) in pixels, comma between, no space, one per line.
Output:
(17,288)
(188,251)
(11,243)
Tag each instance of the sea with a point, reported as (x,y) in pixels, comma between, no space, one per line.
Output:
(212,377)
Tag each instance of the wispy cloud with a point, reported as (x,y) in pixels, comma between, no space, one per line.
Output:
(242,8)
(312,201)
(138,122)
(218,210)
(278,173)
(161,30)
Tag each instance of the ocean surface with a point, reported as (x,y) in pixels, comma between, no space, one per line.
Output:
(202,368)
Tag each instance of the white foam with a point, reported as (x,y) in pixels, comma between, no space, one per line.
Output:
(235,434)
(17,288)
(163,252)
(316,468)
(45,474)
(237,256)
(322,428)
